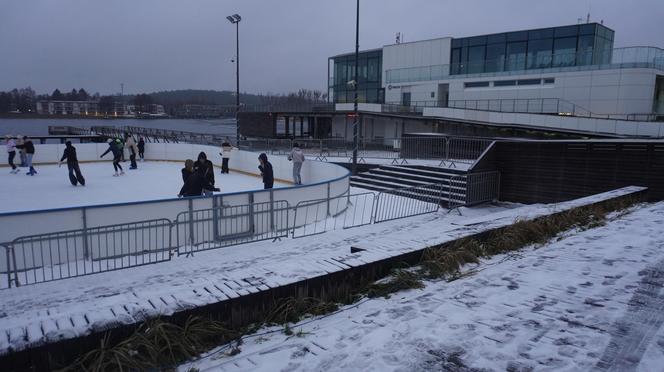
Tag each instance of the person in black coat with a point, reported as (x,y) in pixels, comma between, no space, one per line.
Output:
(206,168)
(196,184)
(188,169)
(29,149)
(75,175)
(266,171)
(116,147)
(141,148)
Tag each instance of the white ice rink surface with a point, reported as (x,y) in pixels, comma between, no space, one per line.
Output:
(50,188)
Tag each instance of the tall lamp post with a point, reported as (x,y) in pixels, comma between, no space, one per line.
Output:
(356,117)
(235,18)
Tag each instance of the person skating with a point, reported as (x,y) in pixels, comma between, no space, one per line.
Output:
(21,151)
(226,150)
(115,146)
(197,184)
(29,149)
(205,167)
(75,175)
(297,156)
(141,148)
(130,143)
(11,153)
(266,171)
(188,170)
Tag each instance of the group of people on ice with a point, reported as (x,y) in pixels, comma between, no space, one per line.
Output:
(26,151)
(197,176)
(116,146)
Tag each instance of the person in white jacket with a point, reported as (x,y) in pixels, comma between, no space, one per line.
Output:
(11,153)
(226,150)
(130,144)
(297,157)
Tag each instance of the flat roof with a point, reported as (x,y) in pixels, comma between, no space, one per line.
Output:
(361,51)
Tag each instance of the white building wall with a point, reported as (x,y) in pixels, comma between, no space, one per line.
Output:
(614,91)
(414,54)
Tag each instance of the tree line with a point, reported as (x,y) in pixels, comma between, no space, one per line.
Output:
(24,100)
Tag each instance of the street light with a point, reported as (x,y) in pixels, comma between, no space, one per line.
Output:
(355,81)
(235,19)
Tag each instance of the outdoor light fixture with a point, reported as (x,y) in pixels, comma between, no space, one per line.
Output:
(235,19)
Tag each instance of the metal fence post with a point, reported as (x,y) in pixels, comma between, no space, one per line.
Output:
(86,248)
(328,199)
(191,222)
(271,210)
(9,268)
(215,218)
(251,213)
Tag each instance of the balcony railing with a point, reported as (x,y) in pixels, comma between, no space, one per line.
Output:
(630,57)
(551,106)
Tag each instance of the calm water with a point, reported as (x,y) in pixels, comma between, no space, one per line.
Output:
(39,127)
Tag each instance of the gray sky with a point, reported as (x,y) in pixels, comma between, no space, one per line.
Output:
(152,45)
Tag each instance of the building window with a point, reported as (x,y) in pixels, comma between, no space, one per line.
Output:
(516,56)
(529,82)
(539,53)
(433,95)
(495,57)
(504,83)
(564,52)
(476,56)
(549,80)
(476,84)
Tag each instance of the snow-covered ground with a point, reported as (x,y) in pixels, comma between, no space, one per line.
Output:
(590,301)
(34,314)
(151,181)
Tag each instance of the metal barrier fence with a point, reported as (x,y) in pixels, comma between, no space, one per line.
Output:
(344,211)
(47,257)
(473,188)
(200,230)
(482,187)
(449,150)
(408,202)
(53,256)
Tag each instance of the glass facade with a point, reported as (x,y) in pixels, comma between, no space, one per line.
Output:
(577,45)
(342,70)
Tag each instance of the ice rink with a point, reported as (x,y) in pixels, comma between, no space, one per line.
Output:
(51,188)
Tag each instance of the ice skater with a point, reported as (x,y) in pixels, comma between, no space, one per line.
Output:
(75,175)
(297,157)
(196,184)
(141,148)
(226,150)
(115,146)
(11,153)
(205,167)
(130,143)
(21,152)
(188,170)
(29,149)
(266,171)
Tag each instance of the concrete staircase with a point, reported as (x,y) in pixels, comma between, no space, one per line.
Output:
(391,177)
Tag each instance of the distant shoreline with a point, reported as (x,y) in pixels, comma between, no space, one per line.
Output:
(84,117)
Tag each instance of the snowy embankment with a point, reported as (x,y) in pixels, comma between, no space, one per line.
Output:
(49,312)
(50,188)
(592,299)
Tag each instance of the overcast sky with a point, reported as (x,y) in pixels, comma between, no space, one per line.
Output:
(152,45)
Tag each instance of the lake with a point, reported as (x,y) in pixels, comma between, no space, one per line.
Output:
(39,127)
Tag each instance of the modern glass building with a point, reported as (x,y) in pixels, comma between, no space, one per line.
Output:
(341,70)
(576,45)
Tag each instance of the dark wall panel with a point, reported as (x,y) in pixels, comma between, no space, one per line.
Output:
(547,171)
